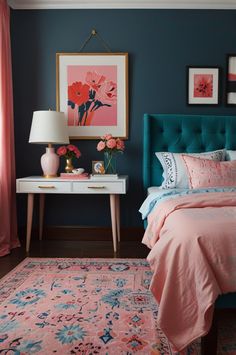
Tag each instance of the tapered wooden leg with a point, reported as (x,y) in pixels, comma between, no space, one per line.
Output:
(41,214)
(118,216)
(113,219)
(29,220)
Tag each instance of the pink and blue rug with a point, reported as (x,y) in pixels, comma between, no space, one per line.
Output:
(81,306)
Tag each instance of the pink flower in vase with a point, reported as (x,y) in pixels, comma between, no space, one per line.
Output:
(71,147)
(107,136)
(111,143)
(61,150)
(120,145)
(101,145)
(69,151)
(77,153)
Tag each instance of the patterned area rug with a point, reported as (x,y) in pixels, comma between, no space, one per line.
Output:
(80,306)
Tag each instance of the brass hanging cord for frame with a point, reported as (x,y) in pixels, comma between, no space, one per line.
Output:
(93,34)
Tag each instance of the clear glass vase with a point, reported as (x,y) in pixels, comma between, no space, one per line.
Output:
(110,163)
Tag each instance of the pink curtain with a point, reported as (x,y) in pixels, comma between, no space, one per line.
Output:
(8,224)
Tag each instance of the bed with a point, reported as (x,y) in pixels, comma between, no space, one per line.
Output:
(186,134)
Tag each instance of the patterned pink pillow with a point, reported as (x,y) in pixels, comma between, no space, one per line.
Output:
(209,173)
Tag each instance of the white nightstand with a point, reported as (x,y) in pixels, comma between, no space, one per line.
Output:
(38,185)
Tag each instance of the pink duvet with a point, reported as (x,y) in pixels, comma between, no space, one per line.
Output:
(193,256)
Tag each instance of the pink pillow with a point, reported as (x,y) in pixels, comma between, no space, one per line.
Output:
(210,173)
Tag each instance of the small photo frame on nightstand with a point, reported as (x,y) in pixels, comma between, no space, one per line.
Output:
(98,167)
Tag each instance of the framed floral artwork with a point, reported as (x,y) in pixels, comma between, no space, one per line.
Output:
(231,80)
(203,85)
(92,90)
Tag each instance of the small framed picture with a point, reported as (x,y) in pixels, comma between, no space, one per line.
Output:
(203,85)
(231,80)
(98,167)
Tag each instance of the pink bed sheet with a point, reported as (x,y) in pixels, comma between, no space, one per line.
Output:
(193,257)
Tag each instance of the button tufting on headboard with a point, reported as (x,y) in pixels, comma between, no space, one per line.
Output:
(183,133)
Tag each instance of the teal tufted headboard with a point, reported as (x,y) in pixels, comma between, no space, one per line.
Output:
(183,133)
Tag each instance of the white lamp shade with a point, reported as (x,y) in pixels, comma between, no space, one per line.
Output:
(49,127)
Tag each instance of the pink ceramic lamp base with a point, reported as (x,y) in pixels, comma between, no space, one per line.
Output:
(50,163)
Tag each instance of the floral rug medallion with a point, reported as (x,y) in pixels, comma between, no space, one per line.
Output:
(80,306)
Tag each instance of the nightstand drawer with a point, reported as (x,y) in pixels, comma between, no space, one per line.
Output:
(99,187)
(44,187)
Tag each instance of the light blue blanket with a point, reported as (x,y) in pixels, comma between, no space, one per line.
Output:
(155,198)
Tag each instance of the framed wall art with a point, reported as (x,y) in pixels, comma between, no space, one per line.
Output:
(92,90)
(231,80)
(203,85)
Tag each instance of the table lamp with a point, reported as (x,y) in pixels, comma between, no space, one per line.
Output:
(49,127)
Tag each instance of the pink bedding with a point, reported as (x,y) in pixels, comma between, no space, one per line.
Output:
(193,256)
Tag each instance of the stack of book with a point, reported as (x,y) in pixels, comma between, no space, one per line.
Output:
(103,176)
(82,176)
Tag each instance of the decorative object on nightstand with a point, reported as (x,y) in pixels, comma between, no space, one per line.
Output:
(49,127)
(69,152)
(73,176)
(78,171)
(110,146)
(98,167)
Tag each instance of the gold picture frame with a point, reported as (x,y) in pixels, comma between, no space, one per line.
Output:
(92,90)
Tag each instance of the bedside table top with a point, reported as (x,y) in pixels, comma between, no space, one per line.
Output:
(57,185)
(100,179)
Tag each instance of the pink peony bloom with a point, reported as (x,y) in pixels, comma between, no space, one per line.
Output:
(111,143)
(78,153)
(72,148)
(120,145)
(107,136)
(77,150)
(101,145)
(69,151)
(61,150)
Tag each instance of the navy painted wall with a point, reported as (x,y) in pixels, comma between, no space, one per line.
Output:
(160,44)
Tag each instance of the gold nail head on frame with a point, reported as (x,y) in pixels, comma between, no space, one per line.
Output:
(94,32)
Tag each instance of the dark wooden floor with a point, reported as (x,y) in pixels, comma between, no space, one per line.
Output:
(72,249)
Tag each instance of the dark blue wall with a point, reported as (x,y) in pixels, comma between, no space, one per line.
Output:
(160,44)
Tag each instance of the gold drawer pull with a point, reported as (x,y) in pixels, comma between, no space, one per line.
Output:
(46,187)
(96,187)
